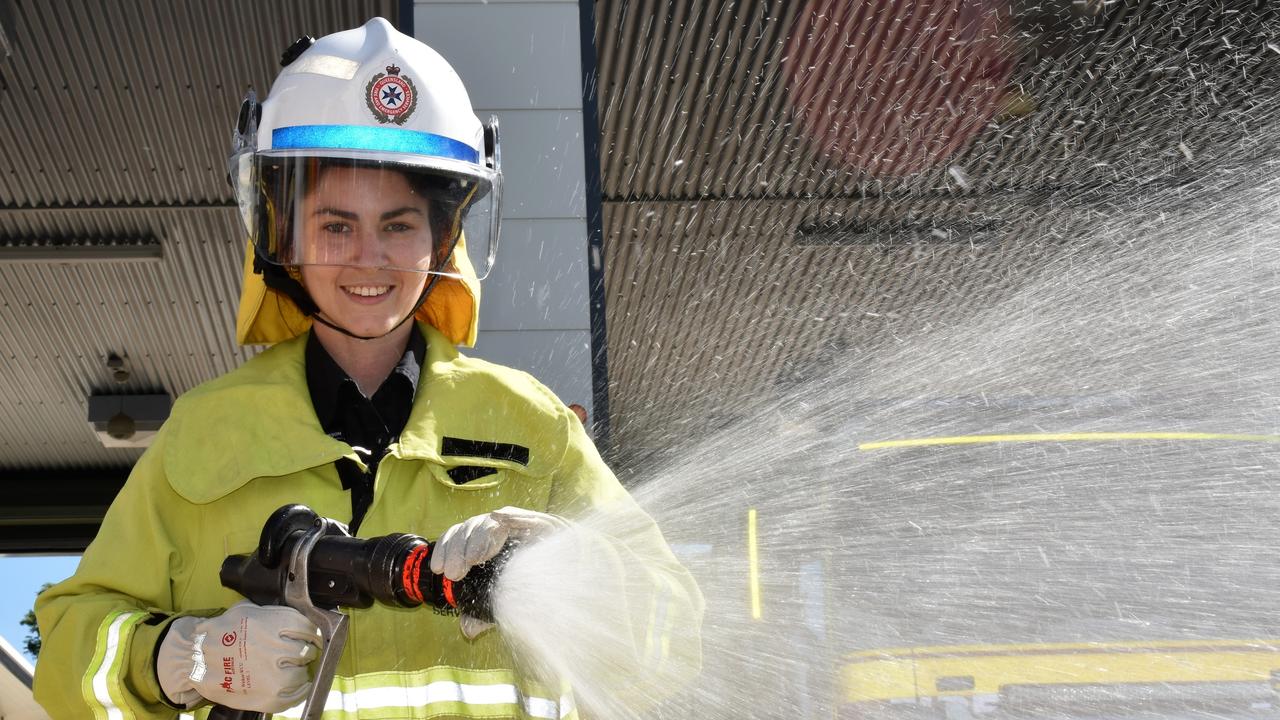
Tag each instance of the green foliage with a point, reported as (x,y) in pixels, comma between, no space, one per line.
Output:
(32,640)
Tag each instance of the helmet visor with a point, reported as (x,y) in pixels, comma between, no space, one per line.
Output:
(367,212)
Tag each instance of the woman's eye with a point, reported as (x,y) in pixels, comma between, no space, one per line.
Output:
(336,227)
(399,227)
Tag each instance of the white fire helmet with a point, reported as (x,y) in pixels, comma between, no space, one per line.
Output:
(362,102)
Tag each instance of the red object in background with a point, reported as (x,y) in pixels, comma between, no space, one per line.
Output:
(895,87)
(580,411)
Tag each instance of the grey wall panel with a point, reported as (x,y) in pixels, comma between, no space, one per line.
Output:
(560,359)
(540,280)
(532,57)
(542,164)
(522,61)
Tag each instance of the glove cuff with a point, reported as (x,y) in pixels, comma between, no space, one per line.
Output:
(179,661)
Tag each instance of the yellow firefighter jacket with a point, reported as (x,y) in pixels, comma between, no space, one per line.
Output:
(242,445)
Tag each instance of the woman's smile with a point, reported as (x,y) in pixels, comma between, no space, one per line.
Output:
(368,293)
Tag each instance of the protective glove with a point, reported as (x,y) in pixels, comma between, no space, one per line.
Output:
(478,539)
(247,658)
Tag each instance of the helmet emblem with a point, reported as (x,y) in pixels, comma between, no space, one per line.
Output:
(391,97)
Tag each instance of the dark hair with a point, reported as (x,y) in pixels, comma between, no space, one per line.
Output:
(444,195)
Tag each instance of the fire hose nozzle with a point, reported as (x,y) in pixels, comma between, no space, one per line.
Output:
(313,565)
(345,571)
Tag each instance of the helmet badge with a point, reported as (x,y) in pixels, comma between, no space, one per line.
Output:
(391,97)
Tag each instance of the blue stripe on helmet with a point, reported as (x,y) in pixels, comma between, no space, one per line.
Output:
(362,137)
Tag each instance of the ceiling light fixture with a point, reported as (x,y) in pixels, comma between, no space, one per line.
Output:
(128,420)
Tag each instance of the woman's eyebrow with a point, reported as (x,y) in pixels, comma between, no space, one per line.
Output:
(344,214)
(400,211)
(348,215)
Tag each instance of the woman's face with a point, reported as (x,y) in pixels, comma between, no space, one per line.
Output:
(362,232)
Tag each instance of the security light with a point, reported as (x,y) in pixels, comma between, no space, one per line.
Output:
(128,420)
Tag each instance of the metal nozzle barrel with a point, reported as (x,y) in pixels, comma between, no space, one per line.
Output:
(345,571)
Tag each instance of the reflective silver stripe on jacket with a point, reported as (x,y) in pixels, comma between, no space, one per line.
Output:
(341,704)
(102,683)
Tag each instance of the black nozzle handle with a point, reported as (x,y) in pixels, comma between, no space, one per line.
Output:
(281,530)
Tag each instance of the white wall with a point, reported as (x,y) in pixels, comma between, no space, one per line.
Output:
(521,60)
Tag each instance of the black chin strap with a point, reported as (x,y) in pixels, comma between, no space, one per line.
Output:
(278,278)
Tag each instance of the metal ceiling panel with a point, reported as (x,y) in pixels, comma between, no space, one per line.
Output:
(114,123)
(712,302)
(131,103)
(729,126)
(172,321)
(708,99)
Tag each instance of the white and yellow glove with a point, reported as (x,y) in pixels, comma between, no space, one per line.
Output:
(247,658)
(478,539)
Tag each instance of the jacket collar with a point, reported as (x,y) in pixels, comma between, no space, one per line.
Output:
(258,421)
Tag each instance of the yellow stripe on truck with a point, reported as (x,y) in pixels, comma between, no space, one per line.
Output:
(913,673)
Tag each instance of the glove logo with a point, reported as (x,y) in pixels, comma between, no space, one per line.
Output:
(229,639)
(228,672)
(391,97)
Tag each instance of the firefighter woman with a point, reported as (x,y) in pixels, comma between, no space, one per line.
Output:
(369,190)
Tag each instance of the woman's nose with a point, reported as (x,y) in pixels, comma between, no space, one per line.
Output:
(367,249)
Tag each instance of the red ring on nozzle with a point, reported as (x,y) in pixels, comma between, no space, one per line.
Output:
(413,570)
(448,592)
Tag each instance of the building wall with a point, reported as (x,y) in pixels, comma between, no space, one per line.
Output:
(521,61)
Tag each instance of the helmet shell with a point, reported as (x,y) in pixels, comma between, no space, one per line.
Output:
(373,92)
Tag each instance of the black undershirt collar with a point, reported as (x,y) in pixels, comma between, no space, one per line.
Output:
(368,424)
